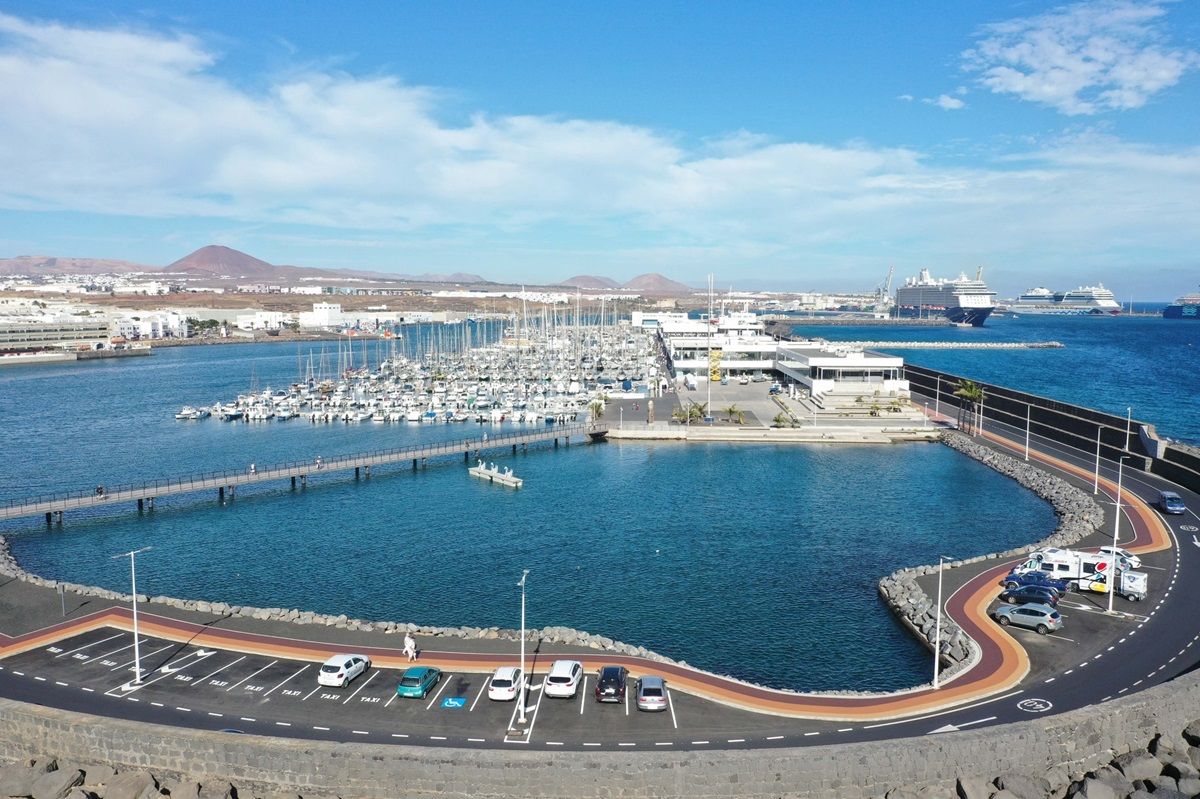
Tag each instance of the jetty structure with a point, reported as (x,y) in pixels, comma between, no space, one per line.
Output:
(297,472)
(494,474)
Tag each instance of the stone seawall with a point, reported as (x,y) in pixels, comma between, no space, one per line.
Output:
(1049,754)
(1078,516)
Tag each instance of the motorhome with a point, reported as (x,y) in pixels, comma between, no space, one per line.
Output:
(1087,571)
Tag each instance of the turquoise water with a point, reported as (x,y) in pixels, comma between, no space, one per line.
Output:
(756,561)
(1109,363)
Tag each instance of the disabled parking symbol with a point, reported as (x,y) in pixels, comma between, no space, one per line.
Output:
(454,702)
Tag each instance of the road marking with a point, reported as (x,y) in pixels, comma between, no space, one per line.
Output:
(89,646)
(671,707)
(184,709)
(89,690)
(40,679)
(245,718)
(809,734)
(361,686)
(1139,682)
(663,743)
(143,657)
(215,715)
(157,704)
(1068,671)
(64,685)
(1123,690)
(843,729)
(260,671)
(778,737)
(302,668)
(626,702)
(164,672)
(218,671)
(583,697)
(399,735)
(483,688)
(437,737)
(385,704)
(699,743)
(364,732)
(322,729)
(591,744)
(21,673)
(442,687)
(319,687)
(736,741)
(283,724)
(625,744)
(944,712)
(477,740)
(115,651)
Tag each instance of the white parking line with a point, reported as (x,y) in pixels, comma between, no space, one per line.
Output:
(248,676)
(215,673)
(143,657)
(583,697)
(88,646)
(442,687)
(671,706)
(319,687)
(361,686)
(142,642)
(483,688)
(385,704)
(302,668)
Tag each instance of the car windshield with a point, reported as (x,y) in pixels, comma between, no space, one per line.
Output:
(410,681)
(501,682)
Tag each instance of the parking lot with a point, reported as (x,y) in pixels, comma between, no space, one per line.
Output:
(227,690)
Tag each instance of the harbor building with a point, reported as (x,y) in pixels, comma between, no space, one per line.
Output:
(828,369)
(33,337)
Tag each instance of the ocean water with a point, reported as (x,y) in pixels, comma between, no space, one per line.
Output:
(756,561)
(1109,363)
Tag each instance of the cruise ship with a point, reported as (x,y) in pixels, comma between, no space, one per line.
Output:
(963,300)
(1083,301)
(1186,307)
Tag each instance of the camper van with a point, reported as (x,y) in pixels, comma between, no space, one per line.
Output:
(1086,571)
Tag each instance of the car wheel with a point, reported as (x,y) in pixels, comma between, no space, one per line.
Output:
(1010,585)
(1003,620)
(425,693)
(1042,629)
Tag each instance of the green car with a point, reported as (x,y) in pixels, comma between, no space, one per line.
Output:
(417,681)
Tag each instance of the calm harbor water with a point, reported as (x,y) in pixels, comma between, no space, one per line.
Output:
(756,561)
(1110,363)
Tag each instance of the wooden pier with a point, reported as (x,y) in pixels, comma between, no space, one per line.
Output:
(227,482)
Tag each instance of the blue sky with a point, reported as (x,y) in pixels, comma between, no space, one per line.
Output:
(778,145)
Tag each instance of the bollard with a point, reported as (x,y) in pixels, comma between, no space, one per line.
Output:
(141,506)
(367,471)
(355,472)
(293,482)
(221,494)
(48,522)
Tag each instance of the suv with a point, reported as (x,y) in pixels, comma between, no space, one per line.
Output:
(1042,618)
(1016,579)
(1170,502)
(563,679)
(610,684)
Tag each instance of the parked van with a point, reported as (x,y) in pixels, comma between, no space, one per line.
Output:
(1083,570)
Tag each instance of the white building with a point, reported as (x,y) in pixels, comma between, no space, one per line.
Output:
(324,315)
(263,320)
(825,368)
(153,325)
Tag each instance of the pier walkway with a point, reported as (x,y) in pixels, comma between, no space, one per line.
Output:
(221,482)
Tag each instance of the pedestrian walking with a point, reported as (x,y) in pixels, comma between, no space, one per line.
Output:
(318,461)
(410,647)
(252,471)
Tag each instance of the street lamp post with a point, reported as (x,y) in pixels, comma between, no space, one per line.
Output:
(1128,427)
(937,634)
(1112,560)
(1028,416)
(1096,477)
(524,679)
(137,653)
(937,398)
(621,409)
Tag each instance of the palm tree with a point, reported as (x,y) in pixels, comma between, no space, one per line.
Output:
(680,415)
(782,420)
(596,407)
(731,412)
(971,395)
(698,411)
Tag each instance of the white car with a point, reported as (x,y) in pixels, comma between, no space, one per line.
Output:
(563,679)
(1134,561)
(339,670)
(505,684)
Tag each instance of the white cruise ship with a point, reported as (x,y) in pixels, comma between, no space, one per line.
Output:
(962,300)
(1083,301)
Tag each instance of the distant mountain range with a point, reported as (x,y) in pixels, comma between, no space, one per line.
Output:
(649,283)
(212,262)
(216,262)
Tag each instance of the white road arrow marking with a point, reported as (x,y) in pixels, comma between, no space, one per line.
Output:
(960,725)
(199,655)
(1195,540)
(945,728)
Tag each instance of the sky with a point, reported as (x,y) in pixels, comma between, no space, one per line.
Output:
(789,145)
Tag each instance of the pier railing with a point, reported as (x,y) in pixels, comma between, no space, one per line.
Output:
(66,500)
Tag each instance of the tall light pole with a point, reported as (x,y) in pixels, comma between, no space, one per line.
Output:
(1112,560)
(937,634)
(621,409)
(137,652)
(1128,427)
(1028,416)
(1096,476)
(524,679)
(937,397)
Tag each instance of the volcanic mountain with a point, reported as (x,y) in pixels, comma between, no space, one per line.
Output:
(654,283)
(217,261)
(591,282)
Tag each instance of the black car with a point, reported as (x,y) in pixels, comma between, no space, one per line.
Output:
(1030,593)
(1015,579)
(610,684)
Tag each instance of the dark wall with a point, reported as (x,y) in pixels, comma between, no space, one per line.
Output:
(1071,425)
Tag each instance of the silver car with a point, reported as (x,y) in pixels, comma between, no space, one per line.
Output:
(1035,616)
(651,693)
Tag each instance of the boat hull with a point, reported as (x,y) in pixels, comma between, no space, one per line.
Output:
(975,317)
(1184,311)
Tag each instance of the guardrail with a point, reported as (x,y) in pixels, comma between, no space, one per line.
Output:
(103,495)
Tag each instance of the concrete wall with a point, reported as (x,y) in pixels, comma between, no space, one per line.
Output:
(1058,748)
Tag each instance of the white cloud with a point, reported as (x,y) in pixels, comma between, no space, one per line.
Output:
(907,98)
(945,102)
(1085,58)
(139,124)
